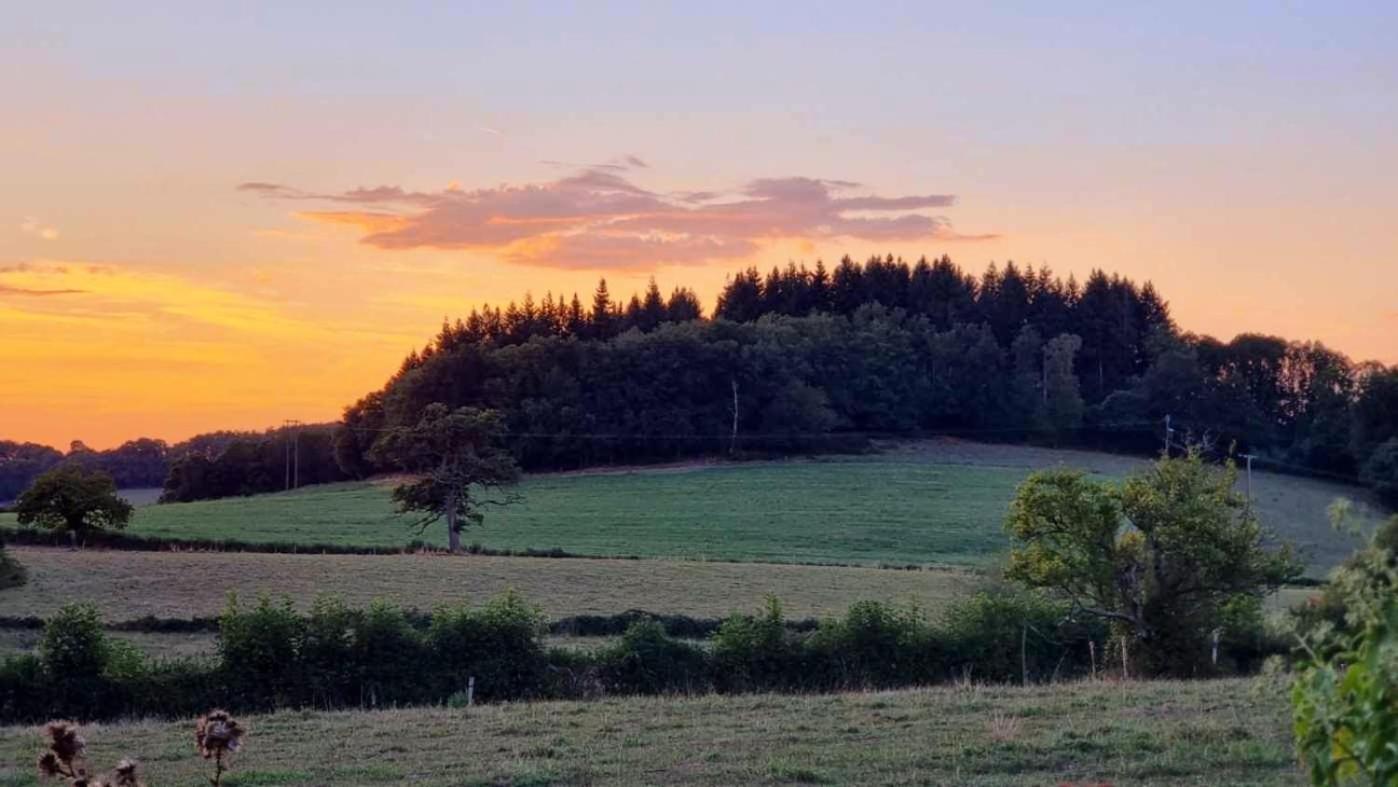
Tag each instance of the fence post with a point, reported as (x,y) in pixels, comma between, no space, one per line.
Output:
(1023,657)
(471,691)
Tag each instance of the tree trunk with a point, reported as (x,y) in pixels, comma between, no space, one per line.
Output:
(453,533)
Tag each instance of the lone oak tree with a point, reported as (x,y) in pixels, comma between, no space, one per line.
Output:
(455,456)
(71,499)
(1165,557)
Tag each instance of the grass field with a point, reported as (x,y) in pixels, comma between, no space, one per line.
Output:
(1166,733)
(936,502)
(126,585)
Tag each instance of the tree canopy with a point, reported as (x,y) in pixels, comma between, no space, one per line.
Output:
(1165,557)
(72,499)
(456,457)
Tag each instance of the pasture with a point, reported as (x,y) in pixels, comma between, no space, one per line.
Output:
(1138,733)
(936,502)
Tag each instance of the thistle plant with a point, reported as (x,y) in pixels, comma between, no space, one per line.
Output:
(217,736)
(64,759)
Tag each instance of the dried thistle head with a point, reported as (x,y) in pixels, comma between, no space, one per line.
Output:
(64,741)
(217,733)
(125,774)
(48,764)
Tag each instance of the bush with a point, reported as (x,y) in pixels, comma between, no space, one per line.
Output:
(24,692)
(73,653)
(752,653)
(12,574)
(1004,634)
(1345,698)
(649,661)
(499,645)
(258,652)
(1381,471)
(874,646)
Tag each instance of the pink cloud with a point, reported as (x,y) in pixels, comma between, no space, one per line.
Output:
(598,218)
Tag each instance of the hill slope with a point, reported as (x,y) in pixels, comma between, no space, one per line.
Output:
(931,502)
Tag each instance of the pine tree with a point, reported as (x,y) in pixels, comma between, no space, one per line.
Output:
(601,324)
(652,311)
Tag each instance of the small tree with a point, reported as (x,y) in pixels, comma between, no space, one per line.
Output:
(1164,558)
(457,457)
(74,500)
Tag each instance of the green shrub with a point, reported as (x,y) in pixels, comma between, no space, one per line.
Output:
(24,694)
(757,652)
(1381,471)
(258,652)
(1345,697)
(1005,634)
(388,656)
(649,661)
(324,651)
(73,653)
(875,645)
(12,574)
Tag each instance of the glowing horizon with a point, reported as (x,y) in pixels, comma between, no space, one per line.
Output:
(223,218)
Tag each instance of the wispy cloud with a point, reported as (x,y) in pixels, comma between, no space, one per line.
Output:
(8,290)
(598,217)
(32,226)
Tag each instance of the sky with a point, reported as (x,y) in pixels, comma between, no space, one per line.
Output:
(228,215)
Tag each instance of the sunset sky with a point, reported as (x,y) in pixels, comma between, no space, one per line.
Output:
(223,218)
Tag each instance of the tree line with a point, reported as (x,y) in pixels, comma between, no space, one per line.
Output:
(805,359)
(808,359)
(214,464)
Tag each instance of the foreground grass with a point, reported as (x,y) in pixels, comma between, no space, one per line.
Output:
(127,585)
(1203,733)
(931,502)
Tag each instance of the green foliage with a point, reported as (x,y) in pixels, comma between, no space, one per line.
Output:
(456,455)
(258,650)
(755,651)
(1345,697)
(12,573)
(1381,471)
(1161,557)
(649,661)
(876,645)
(1008,634)
(72,499)
(73,653)
(1063,406)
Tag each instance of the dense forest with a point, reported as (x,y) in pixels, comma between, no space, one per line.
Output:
(805,360)
(809,359)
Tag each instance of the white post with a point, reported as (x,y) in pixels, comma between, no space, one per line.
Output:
(471,690)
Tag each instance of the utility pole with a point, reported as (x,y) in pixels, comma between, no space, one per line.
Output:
(733,440)
(1249,457)
(293,453)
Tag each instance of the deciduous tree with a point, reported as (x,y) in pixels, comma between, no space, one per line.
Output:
(457,457)
(74,500)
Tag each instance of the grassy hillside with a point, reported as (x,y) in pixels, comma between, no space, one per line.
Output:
(1192,733)
(937,502)
(127,585)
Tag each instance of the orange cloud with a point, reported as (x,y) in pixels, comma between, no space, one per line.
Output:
(598,218)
